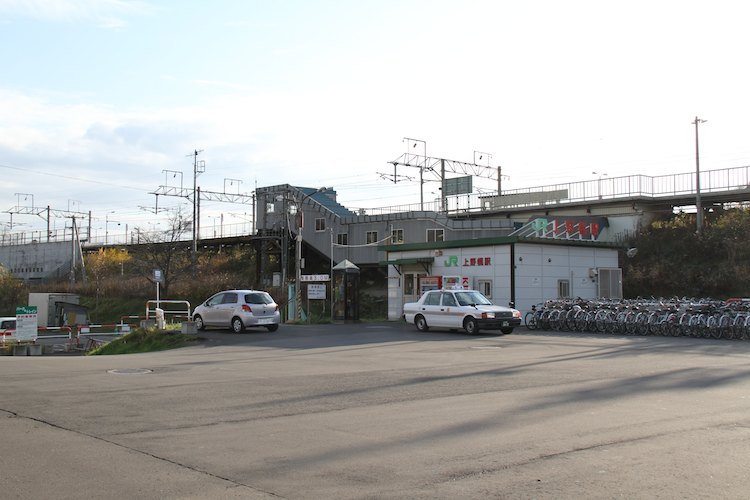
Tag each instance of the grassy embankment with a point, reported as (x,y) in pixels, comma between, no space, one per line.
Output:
(146,340)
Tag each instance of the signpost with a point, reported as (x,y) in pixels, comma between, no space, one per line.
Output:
(158,278)
(26,324)
(314,291)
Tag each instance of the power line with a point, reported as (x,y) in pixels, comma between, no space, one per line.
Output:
(69,177)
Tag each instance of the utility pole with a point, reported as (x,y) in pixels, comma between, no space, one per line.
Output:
(198,168)
(421,168)
(698,205)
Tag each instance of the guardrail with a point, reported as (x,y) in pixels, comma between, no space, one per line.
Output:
(68,334)
(74,332)
(186,312)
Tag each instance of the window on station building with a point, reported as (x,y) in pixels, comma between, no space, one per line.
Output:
(342,239)
(397,236)
(485,287)
(320,224)
(434,235)
(371,237)
(563,289)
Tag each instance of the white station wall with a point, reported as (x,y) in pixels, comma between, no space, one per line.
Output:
(538,270)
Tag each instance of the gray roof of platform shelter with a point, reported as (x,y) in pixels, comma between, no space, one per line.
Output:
(325,199)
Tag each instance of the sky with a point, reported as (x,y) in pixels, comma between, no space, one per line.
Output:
(101,101)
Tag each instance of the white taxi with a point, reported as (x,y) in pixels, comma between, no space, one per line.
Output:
(454,309)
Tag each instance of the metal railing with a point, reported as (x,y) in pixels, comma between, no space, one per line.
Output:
(595,190)
(130,237)
(176,308)
(138,236)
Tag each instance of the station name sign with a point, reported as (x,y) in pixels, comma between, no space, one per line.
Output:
(453,261)
(314,277)
(580,228)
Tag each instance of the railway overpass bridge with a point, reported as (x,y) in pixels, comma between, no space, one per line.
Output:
(626,201)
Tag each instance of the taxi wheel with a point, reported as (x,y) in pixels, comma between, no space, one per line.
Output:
(471,326)
(421,323)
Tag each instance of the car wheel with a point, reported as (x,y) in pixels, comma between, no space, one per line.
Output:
(421,323)
(506,331)
(237,325)
(471,326)
(272,328)
(199,325)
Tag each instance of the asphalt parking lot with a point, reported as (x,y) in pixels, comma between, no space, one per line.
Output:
(382,411)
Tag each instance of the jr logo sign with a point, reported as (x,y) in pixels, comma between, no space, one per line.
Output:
(452,261)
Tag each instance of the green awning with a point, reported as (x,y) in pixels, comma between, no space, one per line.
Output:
(413,260)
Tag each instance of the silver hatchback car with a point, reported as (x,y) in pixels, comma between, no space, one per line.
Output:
(238,309)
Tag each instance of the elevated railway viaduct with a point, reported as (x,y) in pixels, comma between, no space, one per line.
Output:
(626,202)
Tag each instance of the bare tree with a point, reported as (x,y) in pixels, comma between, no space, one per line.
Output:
(165,250)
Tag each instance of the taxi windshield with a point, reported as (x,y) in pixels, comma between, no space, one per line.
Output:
(472,298)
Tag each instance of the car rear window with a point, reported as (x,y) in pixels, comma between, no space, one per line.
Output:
(258,298)
(432,299)
(8,325)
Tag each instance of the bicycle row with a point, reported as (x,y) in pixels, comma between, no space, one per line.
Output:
(704,318)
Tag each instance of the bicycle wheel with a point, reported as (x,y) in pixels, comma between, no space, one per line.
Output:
(611,324)
(642,320)
(600,321)
(544,320)
(738,326)
(653,323)
(570,320)
(581,322)
(554,320)
(713,329)
(700,326)
(631,325)
(673,325)
(685,324)
(725,326)
(530,320)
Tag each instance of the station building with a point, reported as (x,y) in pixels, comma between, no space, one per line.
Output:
(508,270)
(524,258)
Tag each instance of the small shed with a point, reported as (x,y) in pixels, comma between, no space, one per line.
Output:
(59,309)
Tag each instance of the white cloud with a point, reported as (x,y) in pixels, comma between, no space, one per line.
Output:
(105,13)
